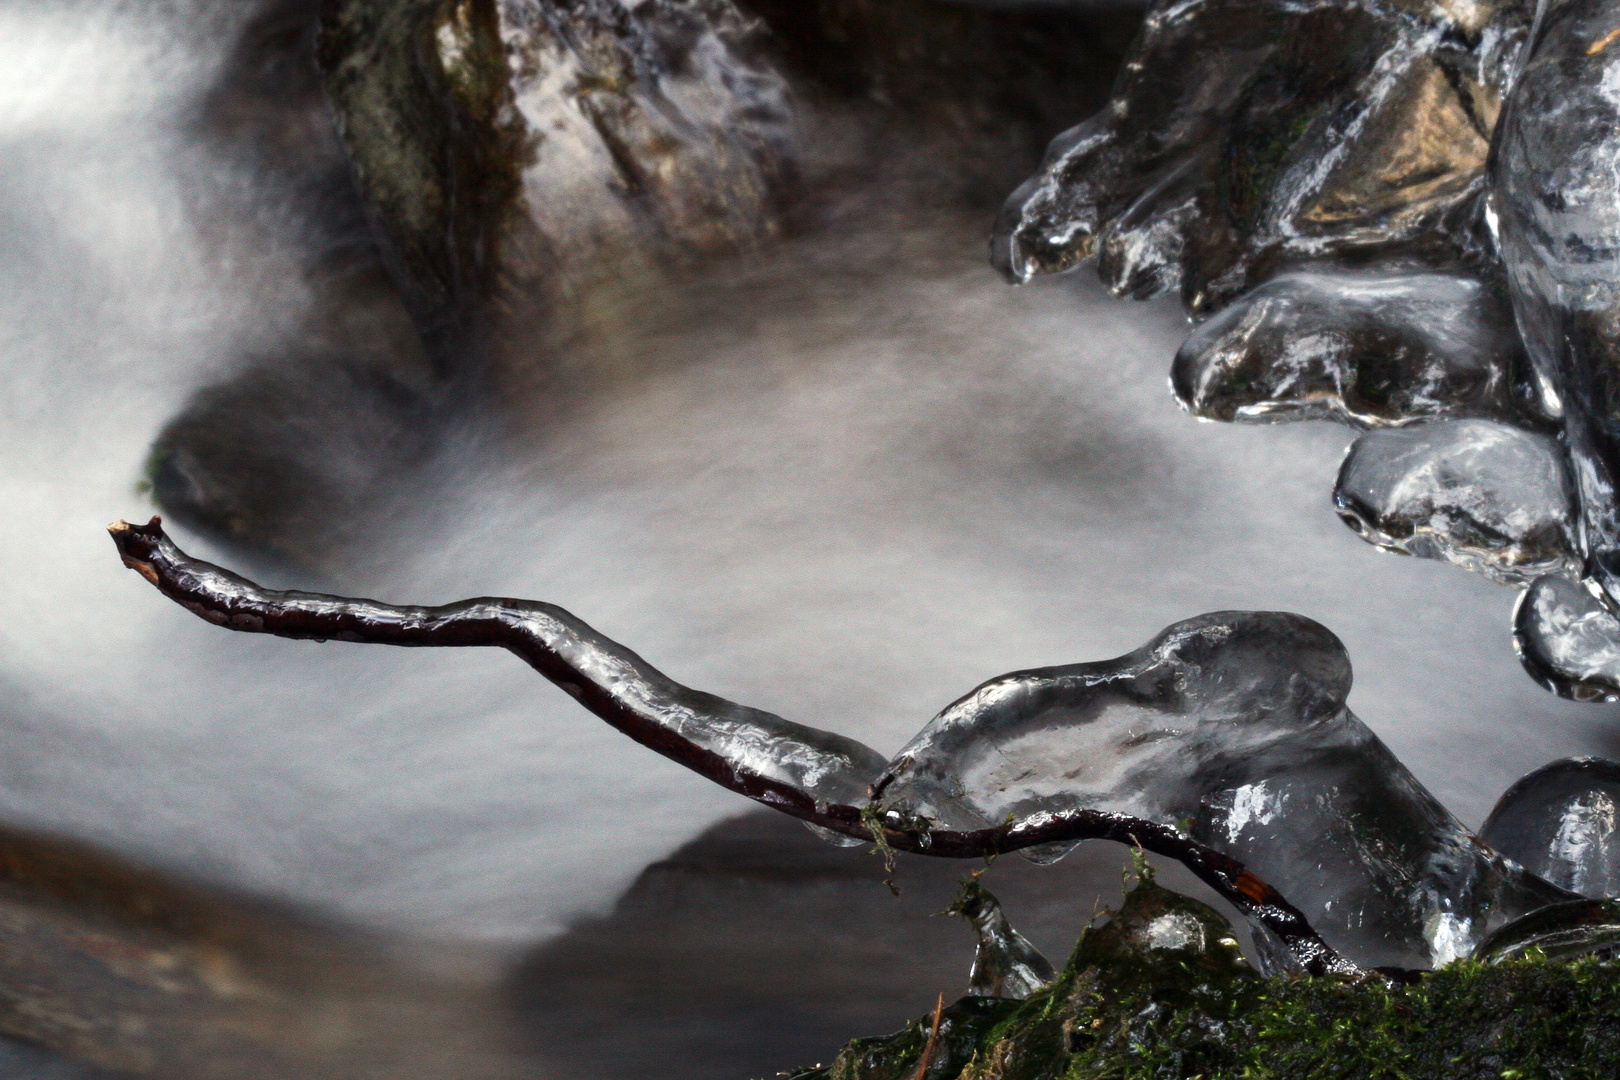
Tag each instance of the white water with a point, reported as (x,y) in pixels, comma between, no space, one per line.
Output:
(867,491)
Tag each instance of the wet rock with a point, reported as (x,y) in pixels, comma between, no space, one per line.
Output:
(1128,1006)
(1486,496)
(517,155)
(1364,347)
(1560,822)
(119,967)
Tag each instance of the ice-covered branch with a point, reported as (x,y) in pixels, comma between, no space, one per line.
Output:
(822,778)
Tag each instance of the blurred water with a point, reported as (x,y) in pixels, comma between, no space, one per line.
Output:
(845,483)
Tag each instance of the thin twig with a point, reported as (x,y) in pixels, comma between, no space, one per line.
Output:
(933,1034)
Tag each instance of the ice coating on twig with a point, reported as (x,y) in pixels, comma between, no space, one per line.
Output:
(1232,726)
(1005,964)
(1486,496)
(1244,132)
(1559,823)
(1557,201)
(1363,347)
(1568,640)
(797,770)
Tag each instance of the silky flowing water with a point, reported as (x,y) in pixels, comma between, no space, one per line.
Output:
(845,482)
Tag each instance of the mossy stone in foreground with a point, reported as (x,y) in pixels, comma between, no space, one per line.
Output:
(1161,991)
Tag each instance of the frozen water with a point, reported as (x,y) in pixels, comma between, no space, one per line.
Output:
(1557,205)
(1232,726)
(1360,346)
(1567,931)
(1005,964)
(1244,132)
(1486,496)
(1559,823)
(1568,639)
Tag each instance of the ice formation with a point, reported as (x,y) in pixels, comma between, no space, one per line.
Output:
(1487,496)
(1363,347)
(1224,742)
(1568,639)
(1234,725)
(1245,134)
(1557,204)
(1315,177)
(1005,964)
(1559,823)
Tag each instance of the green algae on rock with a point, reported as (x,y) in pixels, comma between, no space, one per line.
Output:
(1162,992)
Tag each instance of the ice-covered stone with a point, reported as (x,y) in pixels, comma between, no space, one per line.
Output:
(1489,497)
(1365,347)
(1568,639)
(1559,823)
(1243,132)
(1005,964)
(1556,199)
(1232,726)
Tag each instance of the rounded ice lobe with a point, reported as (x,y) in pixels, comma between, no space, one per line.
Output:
(1488,497)
(1231,726)
(1559,823)
(1568,640)
(1370,348)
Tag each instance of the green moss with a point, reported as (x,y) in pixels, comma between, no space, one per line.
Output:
(1161,993)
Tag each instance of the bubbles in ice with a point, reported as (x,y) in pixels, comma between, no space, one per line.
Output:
(1554,193)
(1568,639)
(1364,347)
(1232,726)
(1559,823)
(1005,964)
(1244,133)
(1487,496)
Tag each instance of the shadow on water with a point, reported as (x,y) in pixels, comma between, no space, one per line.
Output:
(756,948)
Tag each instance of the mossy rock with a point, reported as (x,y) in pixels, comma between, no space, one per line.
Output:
(1162,992)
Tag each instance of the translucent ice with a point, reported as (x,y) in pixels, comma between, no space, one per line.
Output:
(1486,496)
(1556,196)
(1244,132)
(1559,823)
(1360,346)
(1233,726)
(1005,964)
(1567,931)
(1568,639)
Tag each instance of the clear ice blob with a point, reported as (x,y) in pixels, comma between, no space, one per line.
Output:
(1556,200)
(1005,964)
(1363,347)
(1572,930)
(1233,727)
(1489,497)
(1559,824)
(1568,640)
(1245,133)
